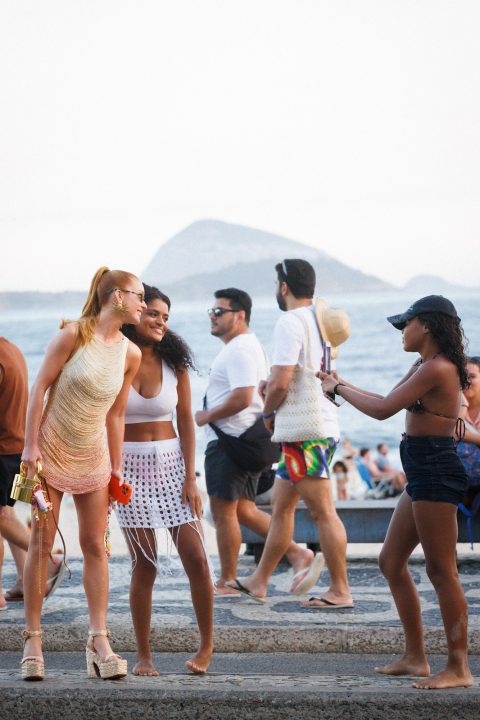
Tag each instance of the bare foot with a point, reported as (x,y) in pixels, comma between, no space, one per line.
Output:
(224,591)
(301,564)
(406,666)
(3,602)
(15,592)
(258,590)
(145,667)
(303,560)
(198,665)
(307,576)
(446,679)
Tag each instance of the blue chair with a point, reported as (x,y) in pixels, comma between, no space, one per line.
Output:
(364,473)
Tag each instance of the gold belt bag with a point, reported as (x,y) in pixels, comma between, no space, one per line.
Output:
(23,487)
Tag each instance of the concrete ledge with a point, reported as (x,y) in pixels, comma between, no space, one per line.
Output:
(365,521)
(232,697)
(244,639)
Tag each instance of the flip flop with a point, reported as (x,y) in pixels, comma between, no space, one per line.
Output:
(14,595)
(55,581)
(311,575)
(226,596)
(329,605)
(237,585)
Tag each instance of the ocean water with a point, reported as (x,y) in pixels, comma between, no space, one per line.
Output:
(372,358)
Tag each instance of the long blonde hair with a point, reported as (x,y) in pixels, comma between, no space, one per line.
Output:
(103,283)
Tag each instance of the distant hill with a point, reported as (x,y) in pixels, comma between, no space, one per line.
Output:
(431,285)
(210,254)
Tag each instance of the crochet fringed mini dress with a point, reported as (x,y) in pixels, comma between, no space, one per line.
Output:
(72,436)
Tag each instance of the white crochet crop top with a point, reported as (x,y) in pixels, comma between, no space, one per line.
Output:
(161,407)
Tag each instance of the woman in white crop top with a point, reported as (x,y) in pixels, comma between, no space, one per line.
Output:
(161,468)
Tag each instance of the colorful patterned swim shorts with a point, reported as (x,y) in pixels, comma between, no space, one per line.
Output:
(310,458)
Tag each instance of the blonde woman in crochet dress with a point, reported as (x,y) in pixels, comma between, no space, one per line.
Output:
(161,468)
(87,372)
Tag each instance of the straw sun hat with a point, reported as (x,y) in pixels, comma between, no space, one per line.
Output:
(334,324)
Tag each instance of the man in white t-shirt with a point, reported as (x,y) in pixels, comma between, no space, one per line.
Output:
(233,404)
(303,471)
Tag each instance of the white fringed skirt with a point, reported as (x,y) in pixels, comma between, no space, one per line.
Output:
(156,472)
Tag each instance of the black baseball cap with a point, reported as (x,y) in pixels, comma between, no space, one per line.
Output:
(428,304)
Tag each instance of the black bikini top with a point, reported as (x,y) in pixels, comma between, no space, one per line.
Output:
(418,408)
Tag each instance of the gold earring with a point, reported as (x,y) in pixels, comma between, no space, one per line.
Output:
(119,307)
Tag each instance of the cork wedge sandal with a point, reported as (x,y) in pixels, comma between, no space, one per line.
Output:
(33,667)
(111,667)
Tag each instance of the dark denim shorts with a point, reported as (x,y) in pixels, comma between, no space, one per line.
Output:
(433,469)
(9,467)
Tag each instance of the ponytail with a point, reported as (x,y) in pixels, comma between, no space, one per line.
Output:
(92,304)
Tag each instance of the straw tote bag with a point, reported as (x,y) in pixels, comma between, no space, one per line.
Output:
(300,415)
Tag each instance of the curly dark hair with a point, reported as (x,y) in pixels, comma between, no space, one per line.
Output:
(448,332)
(173,349)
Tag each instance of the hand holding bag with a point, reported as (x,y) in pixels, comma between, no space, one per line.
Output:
(121,493)
(23,488)
(300,415)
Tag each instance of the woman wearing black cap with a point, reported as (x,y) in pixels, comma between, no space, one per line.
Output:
(427,512)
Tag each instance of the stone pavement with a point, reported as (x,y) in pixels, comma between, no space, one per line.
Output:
(274,661)
(236,687)
(242,625)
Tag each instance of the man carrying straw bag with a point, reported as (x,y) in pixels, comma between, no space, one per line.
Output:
(305,422)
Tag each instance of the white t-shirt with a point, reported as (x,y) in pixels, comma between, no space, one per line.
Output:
(289,342)
(241,363)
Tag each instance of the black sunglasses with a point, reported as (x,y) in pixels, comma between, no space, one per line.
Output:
(218,312)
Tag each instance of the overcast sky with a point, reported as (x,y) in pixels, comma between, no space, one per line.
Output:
(352,126)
